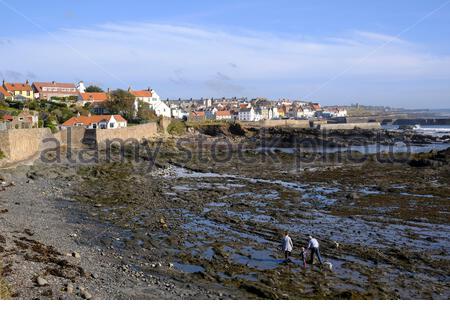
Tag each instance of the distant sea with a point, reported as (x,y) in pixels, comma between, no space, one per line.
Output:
(436,131)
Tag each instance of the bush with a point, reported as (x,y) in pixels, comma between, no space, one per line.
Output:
(176,127)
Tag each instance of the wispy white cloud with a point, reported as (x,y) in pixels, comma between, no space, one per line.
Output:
(185,60)
(379,37)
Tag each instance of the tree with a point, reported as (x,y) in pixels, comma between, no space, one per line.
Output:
(121,102)
(94,89)
(145,114)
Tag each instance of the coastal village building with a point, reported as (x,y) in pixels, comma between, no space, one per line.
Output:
(266,113)
(96,122)
(93,98)
(178,113)
(275,114)
(24,120)
(197,116)
(315,107)
(151,98)
(18,91)
(334,113)
(210,113)
(49,90)
(4,95)
(247,114)
(223,115)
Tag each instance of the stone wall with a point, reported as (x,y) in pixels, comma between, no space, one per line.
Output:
(22,144)
(140,132)
(75,135)
(351,126)
(278,123)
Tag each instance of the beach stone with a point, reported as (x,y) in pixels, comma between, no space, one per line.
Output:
(41,281)
(76,255)
(353,196)
(86,295)
(69,288)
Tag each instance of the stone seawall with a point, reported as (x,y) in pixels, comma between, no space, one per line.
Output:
(140,132)
(278,123)
(351,126)
(22,144)
(74,136)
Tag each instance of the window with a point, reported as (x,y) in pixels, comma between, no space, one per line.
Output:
(111,125)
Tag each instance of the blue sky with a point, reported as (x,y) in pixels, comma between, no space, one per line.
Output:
(335,52)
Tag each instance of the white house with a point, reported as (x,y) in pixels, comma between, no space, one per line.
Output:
(335,113)
(223,115)
(151,98)
(308,112)
(275,114)
(247,114)
(178,113)
(96,122)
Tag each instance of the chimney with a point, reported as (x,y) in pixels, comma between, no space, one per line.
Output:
(27,82)
(53,82)
(129,88)
(78,114)
(109,90)
(89,114)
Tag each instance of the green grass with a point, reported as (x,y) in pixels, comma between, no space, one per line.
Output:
(4,290)
(2,155)
(7,109)
(176,127)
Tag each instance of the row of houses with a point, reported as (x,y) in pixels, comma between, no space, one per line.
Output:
(200,109)
(254,110)
(248,112)
(37,90)
(77,93)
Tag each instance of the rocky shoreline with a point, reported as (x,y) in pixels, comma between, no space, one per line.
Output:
(209,229)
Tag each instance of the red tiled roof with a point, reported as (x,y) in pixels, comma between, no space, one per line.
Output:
(141,93)
(119,118)
(223,113)
(94,96)
(17,86)
(198,113)
(4,92)
(7,117)
(40,85)
(88,120)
